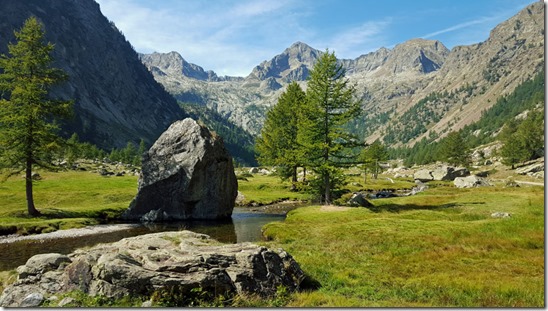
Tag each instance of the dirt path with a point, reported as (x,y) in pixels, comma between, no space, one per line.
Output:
(530,183)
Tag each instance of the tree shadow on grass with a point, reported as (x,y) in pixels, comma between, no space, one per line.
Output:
(55,213)
(396,208)
(309,284)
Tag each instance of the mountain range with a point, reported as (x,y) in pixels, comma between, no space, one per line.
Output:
(415,90)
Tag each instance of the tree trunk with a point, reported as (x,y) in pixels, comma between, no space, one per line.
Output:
(294,179)
(28,183)
(327,189)
(304,174)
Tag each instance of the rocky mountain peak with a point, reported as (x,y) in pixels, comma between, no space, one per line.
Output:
(173,64)
(291,65)
(417,55)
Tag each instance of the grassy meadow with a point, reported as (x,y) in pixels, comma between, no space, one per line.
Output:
(68,199)
(440,248)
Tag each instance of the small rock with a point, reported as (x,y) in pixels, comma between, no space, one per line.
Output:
(32,300)
(358,199)
(66,301)
(501,215)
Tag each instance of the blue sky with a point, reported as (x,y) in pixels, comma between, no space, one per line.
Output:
(232,36)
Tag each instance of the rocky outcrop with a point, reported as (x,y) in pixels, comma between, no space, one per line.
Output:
(186,174)
(156,263)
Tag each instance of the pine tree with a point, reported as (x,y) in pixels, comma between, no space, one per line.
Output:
(372,156)
(329,106)
(523,140)
(454,150)
(27,113)
(277,144)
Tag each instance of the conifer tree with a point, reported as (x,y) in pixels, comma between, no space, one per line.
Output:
(454,150)
(277,144)
(330,105)
(372,155)
(27,114)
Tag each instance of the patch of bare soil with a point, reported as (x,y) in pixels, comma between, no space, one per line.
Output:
(334,208)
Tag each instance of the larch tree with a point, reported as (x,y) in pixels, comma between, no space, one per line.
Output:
(371,157)
(277,144)
(330,105)
(28,131)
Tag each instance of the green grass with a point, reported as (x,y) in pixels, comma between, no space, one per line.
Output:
(267,189)
(440,248)
(66,199)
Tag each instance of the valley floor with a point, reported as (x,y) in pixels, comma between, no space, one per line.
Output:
(440,248)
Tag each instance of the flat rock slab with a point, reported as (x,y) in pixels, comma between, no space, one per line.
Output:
(143,265)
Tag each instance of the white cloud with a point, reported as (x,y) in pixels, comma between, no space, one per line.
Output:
(227,37)
(482,20)
(363,38)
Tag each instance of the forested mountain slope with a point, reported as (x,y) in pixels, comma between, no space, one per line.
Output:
(116,98)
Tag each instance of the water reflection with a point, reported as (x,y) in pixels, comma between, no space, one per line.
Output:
(244,226)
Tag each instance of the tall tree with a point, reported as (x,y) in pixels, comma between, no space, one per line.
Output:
(277,144)
(330,104)
(523,140)
(372,156)
(27,113)
(454,150)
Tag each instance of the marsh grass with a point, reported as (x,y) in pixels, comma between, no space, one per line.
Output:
(440,248)
(67,199)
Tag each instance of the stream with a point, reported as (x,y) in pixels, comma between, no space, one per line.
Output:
(245,226)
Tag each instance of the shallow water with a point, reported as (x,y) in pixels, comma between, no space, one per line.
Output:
(245,226)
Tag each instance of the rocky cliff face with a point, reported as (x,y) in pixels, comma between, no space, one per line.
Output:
(394,85)
(116,98)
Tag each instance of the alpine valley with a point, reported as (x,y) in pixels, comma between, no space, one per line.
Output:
(418,89)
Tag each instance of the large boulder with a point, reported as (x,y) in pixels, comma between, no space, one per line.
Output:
(441,172)
(146,265)
(186,174)
(423,175)
(471,181)
(445,172)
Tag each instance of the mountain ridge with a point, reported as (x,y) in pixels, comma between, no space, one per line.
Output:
(392,81)
(116,98)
